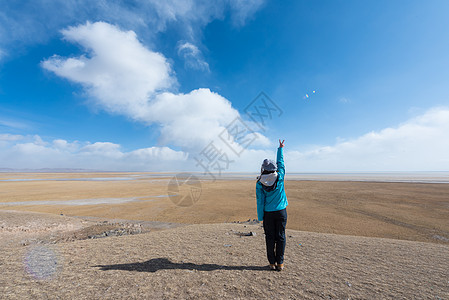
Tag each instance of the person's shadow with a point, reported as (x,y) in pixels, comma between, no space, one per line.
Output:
(156,264)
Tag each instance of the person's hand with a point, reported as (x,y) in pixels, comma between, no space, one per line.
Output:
(281,144)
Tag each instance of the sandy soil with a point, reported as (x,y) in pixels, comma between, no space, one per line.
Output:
(214,261)
(339,242)
(409,211)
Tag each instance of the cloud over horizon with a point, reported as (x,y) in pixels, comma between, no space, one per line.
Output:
(31,152)
(419,144)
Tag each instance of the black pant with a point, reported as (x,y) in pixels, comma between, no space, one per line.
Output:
(274,223)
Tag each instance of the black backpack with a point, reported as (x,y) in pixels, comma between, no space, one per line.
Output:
(271,187)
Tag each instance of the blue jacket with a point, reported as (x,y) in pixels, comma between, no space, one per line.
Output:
(275,199)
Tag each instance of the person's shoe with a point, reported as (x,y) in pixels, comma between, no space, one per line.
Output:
(280,267)
(272,267)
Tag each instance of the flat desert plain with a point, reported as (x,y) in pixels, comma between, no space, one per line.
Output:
(346,239)
(408,211)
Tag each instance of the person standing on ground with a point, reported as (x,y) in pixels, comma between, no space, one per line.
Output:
(271,207)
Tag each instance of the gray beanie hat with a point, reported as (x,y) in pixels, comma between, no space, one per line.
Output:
(268,165)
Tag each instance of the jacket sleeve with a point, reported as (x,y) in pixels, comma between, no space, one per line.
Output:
(280,163)
(260,195)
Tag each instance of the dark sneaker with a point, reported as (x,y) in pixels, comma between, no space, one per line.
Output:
(279,267)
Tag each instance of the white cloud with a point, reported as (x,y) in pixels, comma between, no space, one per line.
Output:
(124,77)
(193,58)
(31,152)
(39,20)
(103,149)
(118,71)
(242,10)
(158,153)
(191,120)
(175,10)
(344,100)
(14,124)
(63,145)
(37,140)
(10,137)
(420,144)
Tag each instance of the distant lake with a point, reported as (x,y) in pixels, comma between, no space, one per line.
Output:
(423,177)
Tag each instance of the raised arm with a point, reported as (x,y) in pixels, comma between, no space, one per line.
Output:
(280,159)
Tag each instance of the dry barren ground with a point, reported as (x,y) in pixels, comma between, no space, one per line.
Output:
(409,211)
(212,261)
(124,239)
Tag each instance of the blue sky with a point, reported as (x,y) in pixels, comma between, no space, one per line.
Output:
(149,86)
